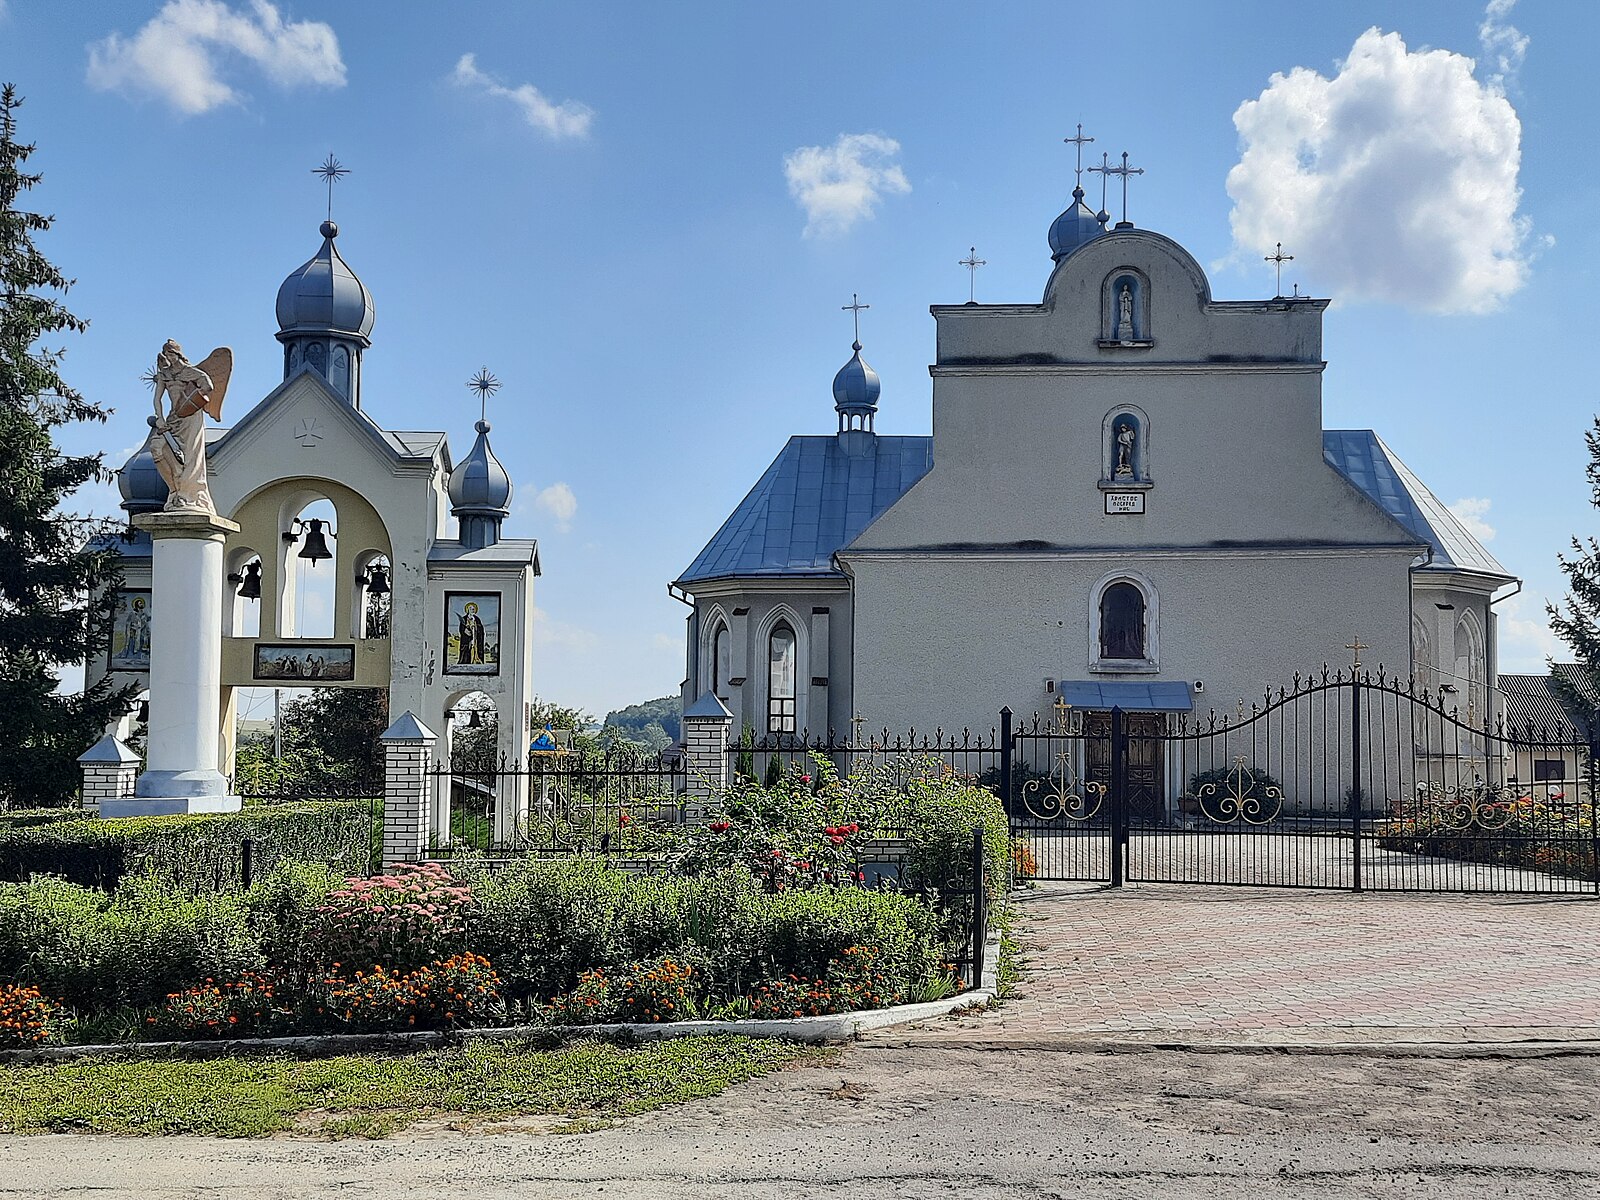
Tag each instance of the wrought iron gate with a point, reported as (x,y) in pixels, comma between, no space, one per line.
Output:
(1344,780)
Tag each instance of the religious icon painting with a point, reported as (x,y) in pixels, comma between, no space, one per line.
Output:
(130,630)
(472,633)
(305,664)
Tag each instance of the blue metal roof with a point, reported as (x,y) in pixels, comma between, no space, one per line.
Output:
(814,499)
(1361,457)
(1126,694)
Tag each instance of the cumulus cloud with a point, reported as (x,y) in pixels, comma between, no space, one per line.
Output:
(1395,180)
(1471,511)
(1526,640)
(1504,45)
(569,119)
(841,184)
(181,53)
(559,503)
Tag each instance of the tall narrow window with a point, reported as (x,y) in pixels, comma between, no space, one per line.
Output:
(1122,622)
(721,658)
(780,681)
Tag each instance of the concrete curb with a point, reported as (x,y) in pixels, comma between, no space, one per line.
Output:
(836,1027)
(1079,1044)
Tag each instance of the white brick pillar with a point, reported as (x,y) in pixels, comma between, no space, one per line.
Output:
(109,772)
(407,754)
(707,728)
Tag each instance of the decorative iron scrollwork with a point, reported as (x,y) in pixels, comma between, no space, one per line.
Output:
(1240,798)
(1459,808)
(1062,794)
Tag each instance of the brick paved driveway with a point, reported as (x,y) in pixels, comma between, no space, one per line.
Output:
(1291,966)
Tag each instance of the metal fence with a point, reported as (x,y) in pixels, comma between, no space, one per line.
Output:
(971,753)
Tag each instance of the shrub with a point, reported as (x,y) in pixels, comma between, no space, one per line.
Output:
(658,989)
(201,852)
(26,1017)
(942,813)
(134,947)
(457,991)
(249,1006)
(412,915)
(853,981)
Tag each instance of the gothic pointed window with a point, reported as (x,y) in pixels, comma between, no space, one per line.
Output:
(721,658)
(781,680)
(1122,624)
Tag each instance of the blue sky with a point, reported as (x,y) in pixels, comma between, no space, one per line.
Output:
(596,205)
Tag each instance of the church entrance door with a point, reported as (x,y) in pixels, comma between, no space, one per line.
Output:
(1146,781)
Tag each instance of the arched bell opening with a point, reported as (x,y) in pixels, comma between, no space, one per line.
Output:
(474,770)
(371,595)
(311,590)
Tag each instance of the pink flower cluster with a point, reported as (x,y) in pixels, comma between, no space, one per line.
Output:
(408,915)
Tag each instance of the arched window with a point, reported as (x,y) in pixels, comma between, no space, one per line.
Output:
(1122,625)
(781,680)
(721,660)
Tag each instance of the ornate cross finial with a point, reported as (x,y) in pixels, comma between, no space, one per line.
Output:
(855,308)
(972,262)
(858,721)
(1279,258)
(1357,647)
(1124,171)
(1078,143)
(1105,171)
(332,171)
(485,385)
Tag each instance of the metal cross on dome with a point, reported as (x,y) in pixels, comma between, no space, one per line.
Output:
(1125,170)
(332,171)
(485,385)
(1279,258)
(1105,171)
(1078,143)
(855,308)
(972,262)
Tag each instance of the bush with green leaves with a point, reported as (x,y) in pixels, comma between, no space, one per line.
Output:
(200,851)
(414,913)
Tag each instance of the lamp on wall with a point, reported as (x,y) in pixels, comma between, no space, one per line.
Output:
(249,583)
(375,579)
(316,545)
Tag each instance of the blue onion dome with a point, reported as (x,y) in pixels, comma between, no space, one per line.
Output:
(143,490)
(856,386)
(1074,227)
(479,485)
(324,296)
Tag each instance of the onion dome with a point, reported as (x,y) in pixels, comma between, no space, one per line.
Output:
(856,389)
(1074,227)
(324,296)
(143,490)
(480,493)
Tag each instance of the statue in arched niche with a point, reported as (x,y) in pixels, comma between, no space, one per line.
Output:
(1127,448)
(1125,312)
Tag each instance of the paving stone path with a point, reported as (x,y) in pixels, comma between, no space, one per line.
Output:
(1162,962)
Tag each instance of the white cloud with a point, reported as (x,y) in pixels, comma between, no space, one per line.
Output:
(569,119)
(1395,180)
(1471,511)
(841,184)
(558,501)
(1504,45)
(550,631)
(179,54)
(1526,643)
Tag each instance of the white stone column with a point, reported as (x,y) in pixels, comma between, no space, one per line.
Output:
(181,765)
(407,804)
(109,771)
(707,728)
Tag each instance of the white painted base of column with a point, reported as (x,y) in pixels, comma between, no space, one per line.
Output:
(166,806)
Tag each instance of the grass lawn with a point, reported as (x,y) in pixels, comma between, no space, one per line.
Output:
(373,1095)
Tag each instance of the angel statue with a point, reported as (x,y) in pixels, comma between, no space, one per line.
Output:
(178,437)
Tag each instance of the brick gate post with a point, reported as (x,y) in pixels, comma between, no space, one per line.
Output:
(109,772)
(407,751)
(707,726)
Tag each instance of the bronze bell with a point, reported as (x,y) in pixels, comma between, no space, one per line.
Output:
(250,587)
(475,721)
(377,580)
(316,546)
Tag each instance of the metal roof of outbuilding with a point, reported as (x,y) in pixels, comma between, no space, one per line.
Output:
(1533,704)
(814,499)
(1361,457)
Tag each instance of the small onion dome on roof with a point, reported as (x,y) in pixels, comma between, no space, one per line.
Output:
(143,490)
(1074,227)
(324,296)
(856,386)
(479,485)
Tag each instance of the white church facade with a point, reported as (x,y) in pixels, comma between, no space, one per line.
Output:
(1129,499)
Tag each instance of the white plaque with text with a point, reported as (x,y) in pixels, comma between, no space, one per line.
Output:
(1124,502)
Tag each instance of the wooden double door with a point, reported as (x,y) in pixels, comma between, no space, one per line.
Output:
(1146,760)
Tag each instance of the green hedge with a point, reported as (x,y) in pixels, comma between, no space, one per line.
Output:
(941,817)
(200,852)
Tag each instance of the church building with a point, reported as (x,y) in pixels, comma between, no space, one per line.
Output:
(1129,499)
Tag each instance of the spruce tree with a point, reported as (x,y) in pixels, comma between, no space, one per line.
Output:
(55,570)
(1577,621)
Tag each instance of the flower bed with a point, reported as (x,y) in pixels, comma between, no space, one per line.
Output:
(1503,830)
